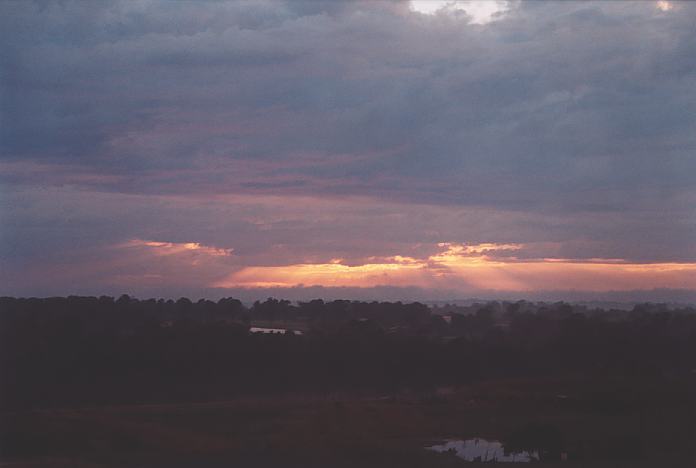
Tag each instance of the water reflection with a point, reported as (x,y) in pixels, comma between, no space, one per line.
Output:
(282,331)
(484,450)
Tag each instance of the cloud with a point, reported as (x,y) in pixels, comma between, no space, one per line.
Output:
(298,132)
(469,268)
(479,12)
(272,234)
(174,248)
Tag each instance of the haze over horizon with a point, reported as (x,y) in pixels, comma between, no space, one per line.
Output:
(355,149)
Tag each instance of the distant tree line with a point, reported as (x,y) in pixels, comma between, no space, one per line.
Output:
(87,351)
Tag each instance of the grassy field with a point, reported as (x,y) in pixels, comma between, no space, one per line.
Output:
(608,422)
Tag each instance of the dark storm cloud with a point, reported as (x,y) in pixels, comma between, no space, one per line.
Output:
(568,123)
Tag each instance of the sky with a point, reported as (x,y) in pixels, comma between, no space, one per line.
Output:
(349,149)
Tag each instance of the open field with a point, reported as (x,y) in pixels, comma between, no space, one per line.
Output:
(615,422)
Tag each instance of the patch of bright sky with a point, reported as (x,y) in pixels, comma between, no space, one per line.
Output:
(472,266)
(480,11)
(664,5)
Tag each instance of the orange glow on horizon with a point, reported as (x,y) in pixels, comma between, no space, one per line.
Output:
(472,267)
(398,273)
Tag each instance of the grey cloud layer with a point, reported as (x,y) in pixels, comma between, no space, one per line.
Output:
(568,122)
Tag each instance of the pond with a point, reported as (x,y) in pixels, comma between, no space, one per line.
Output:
(272,330)
(484,450)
